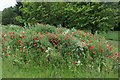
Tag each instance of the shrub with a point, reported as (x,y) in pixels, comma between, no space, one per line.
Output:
(57,47)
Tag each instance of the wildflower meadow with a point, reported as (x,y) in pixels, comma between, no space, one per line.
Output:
(49,48)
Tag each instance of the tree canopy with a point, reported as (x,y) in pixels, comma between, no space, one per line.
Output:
(81,15)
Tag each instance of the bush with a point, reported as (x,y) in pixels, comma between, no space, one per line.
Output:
(56,47)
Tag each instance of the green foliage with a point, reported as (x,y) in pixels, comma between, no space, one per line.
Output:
(45,45)
(8,16)
(81,15)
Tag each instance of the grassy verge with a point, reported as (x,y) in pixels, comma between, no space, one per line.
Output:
(12,71)
(113,35)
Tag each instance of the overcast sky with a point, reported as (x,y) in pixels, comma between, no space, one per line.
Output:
(6,4)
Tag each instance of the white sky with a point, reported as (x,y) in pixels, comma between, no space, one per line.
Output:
(6,4)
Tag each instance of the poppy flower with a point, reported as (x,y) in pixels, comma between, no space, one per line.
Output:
(54,44)
(35,44)
(30,36)
(19,41)
(110,48)
(118,61)
(43,49)
(38,49)
(91,34)
(80,54)
(36,39)
(36,32)
(90,41)
(4,39)
(94,52)
(56,35)
(3,35)
(41,36)
(20,26)
(75,63)
(6,54)
(12,36)
(66,38)
(20,49)
(109,56)
(86,34)
(101,50)
(21,36)
(86,44)
(46,32)
(68,34)
(12,32)
(91,47)
(23,32)
(68,53)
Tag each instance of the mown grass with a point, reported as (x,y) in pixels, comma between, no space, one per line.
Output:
(113,35)
(113,38)
(12,71)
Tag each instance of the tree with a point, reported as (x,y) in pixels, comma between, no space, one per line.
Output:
(8,16)
(81,15)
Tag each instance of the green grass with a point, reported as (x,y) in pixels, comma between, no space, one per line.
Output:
(113,35)
(12,71)
(113,38)
(115,44)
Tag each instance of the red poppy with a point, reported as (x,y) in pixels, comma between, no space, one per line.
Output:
(12,32)
(91,47)
(20,49)
(86,34)
(54,44)
(68,34)
(23,32)
(66,38)
(38,49)
(90,41)
(94,52)
(4,39)
(115,55)
(3,35)
(4,49)
(75,63)
(36,39)
(19,41)
(118,61)
(36,32)
(68,53)
(91,34)
(110,48)
(101,50)
(46,32)
(20,26)
(12,36)
(6,54)
(80,54)
(56,34)
(21,36)
(46,60)
(43,49)
(35,44)
(109,56)
(86,44)
(41,36)
(74,33)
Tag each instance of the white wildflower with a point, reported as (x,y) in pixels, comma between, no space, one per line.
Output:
(66,32)
(48,49)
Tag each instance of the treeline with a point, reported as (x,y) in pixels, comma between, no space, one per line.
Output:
(81,15)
